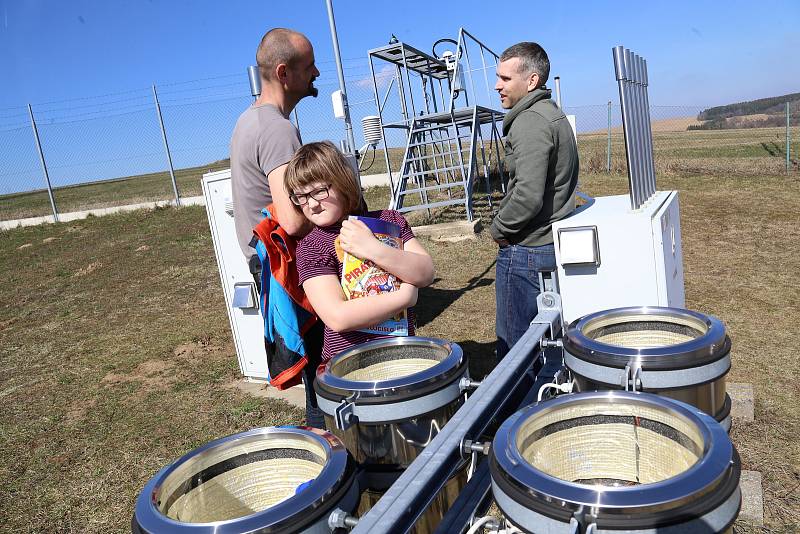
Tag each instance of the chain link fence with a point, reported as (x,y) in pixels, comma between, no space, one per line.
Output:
(108,150)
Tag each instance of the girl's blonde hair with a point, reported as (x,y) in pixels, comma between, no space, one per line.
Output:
(323,163)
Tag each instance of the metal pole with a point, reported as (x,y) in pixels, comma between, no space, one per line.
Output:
(166,148)
(608,148)
(622,80)
(401,93)
(651,164)
(383,129)
(557,82)
(638,138)
(254,77)
(348,125)
(44,165)
(788,139)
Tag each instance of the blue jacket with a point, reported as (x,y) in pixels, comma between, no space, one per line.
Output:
(287,313)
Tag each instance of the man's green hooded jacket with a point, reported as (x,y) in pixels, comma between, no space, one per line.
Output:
(542,165)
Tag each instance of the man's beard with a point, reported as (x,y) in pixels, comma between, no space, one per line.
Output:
(312,91)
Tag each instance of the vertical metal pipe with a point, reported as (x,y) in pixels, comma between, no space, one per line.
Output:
(296,119)
(469,72)
(386,96)
(166,148)
(254,77)
(788,140)
(622,75)
(453,81)
(496,142)
(639,130)
(410,87)
(641,134)
(441,93)
(649,132)
(638,138)
(44,165)
(401,93)
(340,73)
(608,147)
(380,119)
(557,82)
(485,79)
(431,83)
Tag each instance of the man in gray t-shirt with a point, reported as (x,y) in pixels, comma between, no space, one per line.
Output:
(264,139)
(263,142)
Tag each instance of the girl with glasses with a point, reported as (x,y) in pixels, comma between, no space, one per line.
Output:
(323,185)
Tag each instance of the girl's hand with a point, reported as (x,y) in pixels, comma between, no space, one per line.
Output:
(357,239)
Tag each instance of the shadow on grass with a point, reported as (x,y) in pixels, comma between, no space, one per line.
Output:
(436,301)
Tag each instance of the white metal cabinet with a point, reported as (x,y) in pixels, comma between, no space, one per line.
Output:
(241,301)
(638,255)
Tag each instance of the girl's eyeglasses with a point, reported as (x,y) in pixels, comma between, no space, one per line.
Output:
(301,199)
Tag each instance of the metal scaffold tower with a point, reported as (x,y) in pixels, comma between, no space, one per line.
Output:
(453,141)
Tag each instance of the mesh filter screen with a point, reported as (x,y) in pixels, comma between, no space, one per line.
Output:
(390,369)
(605,446)
(388,362)
(643,334)
(241,480)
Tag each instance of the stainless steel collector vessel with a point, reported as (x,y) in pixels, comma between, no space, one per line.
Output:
(672,352)
(387,399)
(609,461)
(269,480)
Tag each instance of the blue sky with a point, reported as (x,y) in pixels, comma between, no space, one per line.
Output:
(63,56)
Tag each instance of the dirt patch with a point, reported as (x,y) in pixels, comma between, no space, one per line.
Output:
(142,248)
(26,245)
(88,269)
(48,240)
(153,375)
(78,410)
(196,351)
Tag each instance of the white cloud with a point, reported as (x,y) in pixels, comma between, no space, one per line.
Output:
(383,77)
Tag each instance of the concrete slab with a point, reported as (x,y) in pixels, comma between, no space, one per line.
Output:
(742,401)
(295,395)
(372,180)
(752,498)
(451,231)
(99,212)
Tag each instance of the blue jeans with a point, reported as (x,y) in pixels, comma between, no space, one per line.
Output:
(516,289)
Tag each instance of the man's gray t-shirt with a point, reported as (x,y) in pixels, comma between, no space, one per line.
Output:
(262,140)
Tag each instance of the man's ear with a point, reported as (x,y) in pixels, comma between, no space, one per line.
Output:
(280,72)
(533,81)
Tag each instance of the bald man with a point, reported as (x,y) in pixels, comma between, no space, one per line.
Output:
(263,142)
(264,138)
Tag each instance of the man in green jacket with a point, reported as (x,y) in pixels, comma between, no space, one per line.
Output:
(542,165)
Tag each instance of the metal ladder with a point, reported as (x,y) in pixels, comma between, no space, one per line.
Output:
(444,156)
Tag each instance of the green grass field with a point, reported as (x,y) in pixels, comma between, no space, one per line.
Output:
(116,355)
(745,152)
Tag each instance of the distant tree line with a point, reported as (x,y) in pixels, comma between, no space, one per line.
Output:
(736,115)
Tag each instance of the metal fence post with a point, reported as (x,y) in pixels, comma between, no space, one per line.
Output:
(608,147)
(166,148)
(788,140)
(44,165)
